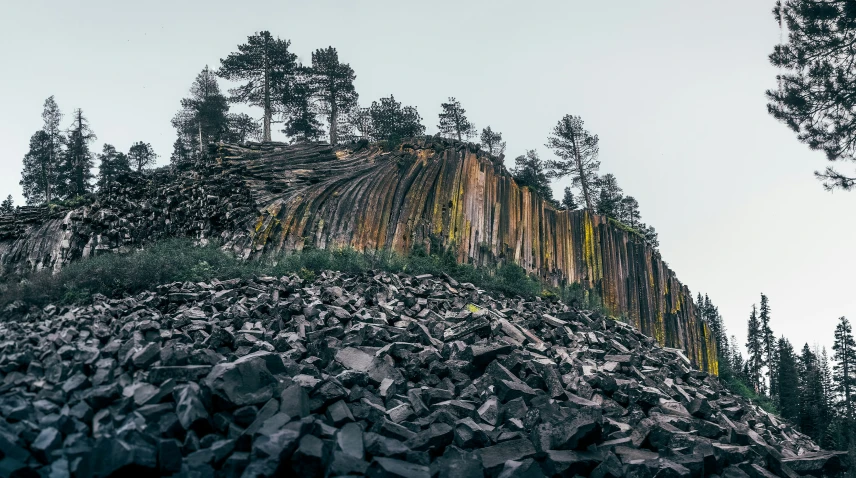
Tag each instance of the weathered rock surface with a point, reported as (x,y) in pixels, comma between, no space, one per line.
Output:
(272,379)
(431,193)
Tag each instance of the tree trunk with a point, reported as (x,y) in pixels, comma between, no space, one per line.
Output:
(267,101)
(334,130)
(583,180)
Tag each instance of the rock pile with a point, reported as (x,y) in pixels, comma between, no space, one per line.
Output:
(376,375)
(202,203)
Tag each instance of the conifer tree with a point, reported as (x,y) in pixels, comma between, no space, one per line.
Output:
(788,380)
(609,199)
(577,150)
(492,141)
(333,86)
(39,176)
(737,363)
(111,164)
(141,156)
(568,202)
(181,153)
(203,117)
(755,349)
(301,123)
(815,96)
(242,128)
(768,344)
(268,69)
(454,122)
(629,211)
(844,349)
(391,122)
(529,171)
(8,205)
(76,168)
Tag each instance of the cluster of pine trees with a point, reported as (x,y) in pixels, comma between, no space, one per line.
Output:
(305,99)
(801,385)
(59,163)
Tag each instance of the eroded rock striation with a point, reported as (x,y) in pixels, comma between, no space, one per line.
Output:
(378,375)
(429,193)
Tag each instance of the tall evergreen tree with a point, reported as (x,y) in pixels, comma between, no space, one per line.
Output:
(8,205)
(301,124)
(755,349)
(529,171)
(768,342)
(738,365)
(268,69)
(181,153)
(391,122)
(844,349)
(814,396)
(76,169)
(111,164)
(649,234)
(333,85)
(610,196)
(568,202)
(454,122)
(242,128)
(815,96)
(39,176)
(629,211)
(203,117)
(492,141)
(52,116)
(577,150)
(789,381)
(141,156)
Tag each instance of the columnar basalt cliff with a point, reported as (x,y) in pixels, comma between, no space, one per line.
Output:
(429,193)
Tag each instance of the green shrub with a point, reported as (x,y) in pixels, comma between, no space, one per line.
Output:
(179,260)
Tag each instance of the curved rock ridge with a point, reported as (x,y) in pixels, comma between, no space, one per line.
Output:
(440,194)
(430,193)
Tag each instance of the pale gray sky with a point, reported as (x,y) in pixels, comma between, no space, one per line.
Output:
(675,89)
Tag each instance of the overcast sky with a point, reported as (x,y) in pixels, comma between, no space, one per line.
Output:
(674,89)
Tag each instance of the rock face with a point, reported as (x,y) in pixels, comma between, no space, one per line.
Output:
(376,375)
(430,193)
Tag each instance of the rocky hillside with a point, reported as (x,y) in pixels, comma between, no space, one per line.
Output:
(377,375)
(430,193)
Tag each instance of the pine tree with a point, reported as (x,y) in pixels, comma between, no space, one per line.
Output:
(203,117)
(737,363)
(268,68)
(8,205)
(242,128)
(815,97)
(577,150)
(111,164)
(492,142)
(844,349)
(529,171)
(789,381)
(76,168)
(629,211)
(568,202)
(301,123)
(391,122)
(609,199)
(358,124)
(768,342)
(333,85)
(454,122)
(181,152)
(649,234)
(828,401)
(141,156)
(755,349)
(39,176)
(815,413)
